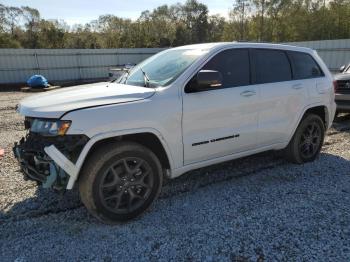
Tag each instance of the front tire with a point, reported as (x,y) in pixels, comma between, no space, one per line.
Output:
(307,141)
(120,181)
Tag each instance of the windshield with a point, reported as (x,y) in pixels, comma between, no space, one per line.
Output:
(162,68)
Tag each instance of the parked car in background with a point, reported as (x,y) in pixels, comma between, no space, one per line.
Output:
(116,72)
(179,110)
(342,90)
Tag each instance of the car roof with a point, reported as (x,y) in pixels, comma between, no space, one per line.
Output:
(222,45)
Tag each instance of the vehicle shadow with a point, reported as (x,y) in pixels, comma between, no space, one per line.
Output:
(267,165)
(40,203)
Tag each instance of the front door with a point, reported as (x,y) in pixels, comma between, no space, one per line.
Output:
(221,121)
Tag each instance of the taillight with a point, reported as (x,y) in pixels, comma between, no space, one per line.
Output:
(335,85)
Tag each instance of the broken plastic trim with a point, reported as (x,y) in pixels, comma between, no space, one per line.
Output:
(63,162)
(56,173)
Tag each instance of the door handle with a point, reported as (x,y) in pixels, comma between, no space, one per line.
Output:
(248,93)
(297,86)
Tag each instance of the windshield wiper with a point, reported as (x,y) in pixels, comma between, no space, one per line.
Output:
(145,78)
(126,76)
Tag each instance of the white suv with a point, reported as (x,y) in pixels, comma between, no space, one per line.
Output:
(181,109)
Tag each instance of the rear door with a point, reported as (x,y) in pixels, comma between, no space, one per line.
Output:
(282,98)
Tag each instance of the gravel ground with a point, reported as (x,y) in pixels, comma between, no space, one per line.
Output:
(259,208)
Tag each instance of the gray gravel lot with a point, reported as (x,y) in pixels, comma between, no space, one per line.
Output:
(257,208)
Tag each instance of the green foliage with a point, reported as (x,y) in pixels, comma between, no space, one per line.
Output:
(180,24)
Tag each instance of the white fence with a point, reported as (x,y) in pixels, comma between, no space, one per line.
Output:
(64,65)
(60,65)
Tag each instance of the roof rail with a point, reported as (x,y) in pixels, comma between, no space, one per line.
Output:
(258,42)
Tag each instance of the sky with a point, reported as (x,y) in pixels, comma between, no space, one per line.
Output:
(83,11)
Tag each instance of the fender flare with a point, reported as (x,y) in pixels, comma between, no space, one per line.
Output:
(73,170)
(295,126)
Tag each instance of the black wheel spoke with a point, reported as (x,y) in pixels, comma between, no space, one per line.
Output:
(310,149)
(311,129)
(126,166)
(126,185)
(144,185)
(118,195)
(132,197)
(142,177)
(115,181)
(117,203)
(303,148)
(137,167)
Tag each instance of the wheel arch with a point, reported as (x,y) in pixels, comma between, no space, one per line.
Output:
(321,111)
(318,109)
(150,138)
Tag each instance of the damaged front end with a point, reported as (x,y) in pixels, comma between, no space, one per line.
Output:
(32,154)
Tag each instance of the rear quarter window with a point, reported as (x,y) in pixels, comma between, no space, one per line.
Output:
(304,66)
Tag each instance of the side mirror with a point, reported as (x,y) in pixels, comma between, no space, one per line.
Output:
(204,80)
(208,79)
(342,68)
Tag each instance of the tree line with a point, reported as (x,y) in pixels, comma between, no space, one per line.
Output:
(180,24)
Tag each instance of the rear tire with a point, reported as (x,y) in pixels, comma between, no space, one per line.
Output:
(307,140)
(120,181)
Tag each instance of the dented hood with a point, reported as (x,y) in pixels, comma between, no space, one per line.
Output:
(54,104)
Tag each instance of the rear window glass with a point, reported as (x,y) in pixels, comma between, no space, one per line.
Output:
(304,66)
(271,66)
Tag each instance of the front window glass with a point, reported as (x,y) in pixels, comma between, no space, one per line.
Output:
(233,64)
(163,68)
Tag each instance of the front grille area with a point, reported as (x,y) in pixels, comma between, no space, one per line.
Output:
(69,145)
(35,163)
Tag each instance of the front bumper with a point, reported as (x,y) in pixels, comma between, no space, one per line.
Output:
(29,171)
(49,160)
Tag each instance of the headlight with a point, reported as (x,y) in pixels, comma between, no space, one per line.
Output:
(50,127)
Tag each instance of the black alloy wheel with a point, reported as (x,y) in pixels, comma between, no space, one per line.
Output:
(310,140)
(126,185)
(120,181)
(307,140)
